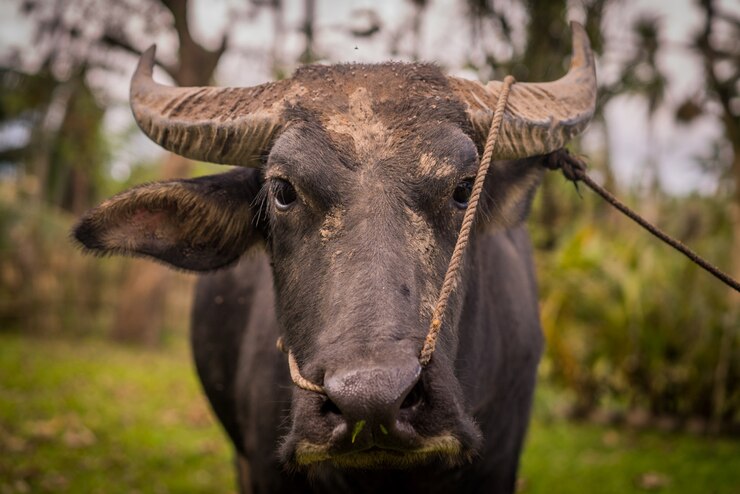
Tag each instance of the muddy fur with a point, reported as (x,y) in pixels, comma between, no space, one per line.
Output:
(441,449)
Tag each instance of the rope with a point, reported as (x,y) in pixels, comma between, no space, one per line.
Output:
(574,170)
(295,372)
(453,270)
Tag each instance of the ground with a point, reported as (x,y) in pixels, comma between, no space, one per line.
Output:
(87,416)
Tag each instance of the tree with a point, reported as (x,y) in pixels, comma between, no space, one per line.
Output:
(142,303)
(74,37)
(60,160)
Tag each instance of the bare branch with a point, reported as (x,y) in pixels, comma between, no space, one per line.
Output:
(116,42)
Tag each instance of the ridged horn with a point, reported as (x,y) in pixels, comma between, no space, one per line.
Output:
(231,126)
(539,117)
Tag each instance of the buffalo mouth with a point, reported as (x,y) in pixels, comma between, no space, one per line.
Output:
(444,448)
(381,412)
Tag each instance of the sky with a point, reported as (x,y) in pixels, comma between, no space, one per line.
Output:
(444,39)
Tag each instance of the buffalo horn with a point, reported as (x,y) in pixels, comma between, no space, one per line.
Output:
(232,126)
(539,117)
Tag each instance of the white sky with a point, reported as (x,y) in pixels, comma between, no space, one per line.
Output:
(445,40)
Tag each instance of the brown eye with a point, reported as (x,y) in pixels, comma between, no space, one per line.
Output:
(284,194)
(461,196)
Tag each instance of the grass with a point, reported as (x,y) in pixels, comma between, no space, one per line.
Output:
(90,416)
(84,416)
(564,457)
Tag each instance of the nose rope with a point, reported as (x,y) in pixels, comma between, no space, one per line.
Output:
(575,170)
(295,372)
(453,269)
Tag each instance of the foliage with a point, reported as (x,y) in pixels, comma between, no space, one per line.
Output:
(631,322)
(46,285)
(89,416)
(64,155)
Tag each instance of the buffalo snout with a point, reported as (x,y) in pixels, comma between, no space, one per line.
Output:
(380,410)
(375,402)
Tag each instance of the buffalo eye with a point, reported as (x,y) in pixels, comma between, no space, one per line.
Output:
(283,194)
(461,196)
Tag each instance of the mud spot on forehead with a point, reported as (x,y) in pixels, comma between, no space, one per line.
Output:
(369,135)
(428,301)
(335,255)
(431,166)
(359,115)
(422,241)
(292,96)
(360,105)
(332,225)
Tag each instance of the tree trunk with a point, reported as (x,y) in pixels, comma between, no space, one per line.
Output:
(735,219)
(545,36)
(309,19)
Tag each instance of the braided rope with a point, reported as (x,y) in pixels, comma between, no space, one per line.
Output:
(453,270)
(295,372)
(574,170)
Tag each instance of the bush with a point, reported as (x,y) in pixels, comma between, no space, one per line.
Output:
(632,323)
(46,285)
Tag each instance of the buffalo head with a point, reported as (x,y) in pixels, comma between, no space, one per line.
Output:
(356,181)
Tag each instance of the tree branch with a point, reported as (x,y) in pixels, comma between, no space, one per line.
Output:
(116,42)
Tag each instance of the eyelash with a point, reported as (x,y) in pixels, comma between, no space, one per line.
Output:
(284,194)
(462,192)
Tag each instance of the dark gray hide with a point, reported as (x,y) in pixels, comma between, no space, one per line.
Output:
(348,274)
(247,381)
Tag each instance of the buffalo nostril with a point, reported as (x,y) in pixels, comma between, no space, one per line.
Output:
(329,407)
(414,397)
(373,392)
(405,291)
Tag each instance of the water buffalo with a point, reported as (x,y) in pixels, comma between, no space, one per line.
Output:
(334,233)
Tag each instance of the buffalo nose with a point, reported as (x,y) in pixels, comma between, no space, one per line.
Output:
(374,392)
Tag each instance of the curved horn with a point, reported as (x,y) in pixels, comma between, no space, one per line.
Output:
(232,126)
(539,117)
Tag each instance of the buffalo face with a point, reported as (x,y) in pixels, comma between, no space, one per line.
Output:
(358,255)
(365,198)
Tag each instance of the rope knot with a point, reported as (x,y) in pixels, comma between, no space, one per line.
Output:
(573,167)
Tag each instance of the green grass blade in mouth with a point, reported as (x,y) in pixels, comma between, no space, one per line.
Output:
(359,425)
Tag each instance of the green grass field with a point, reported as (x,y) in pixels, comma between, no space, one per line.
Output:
(84,416)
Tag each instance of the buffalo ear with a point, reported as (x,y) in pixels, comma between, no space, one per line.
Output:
(197,224)
(509,190)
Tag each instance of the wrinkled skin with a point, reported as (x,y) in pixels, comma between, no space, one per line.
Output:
(348,274)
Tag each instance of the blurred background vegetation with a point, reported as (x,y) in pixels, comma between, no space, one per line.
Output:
(637,336)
